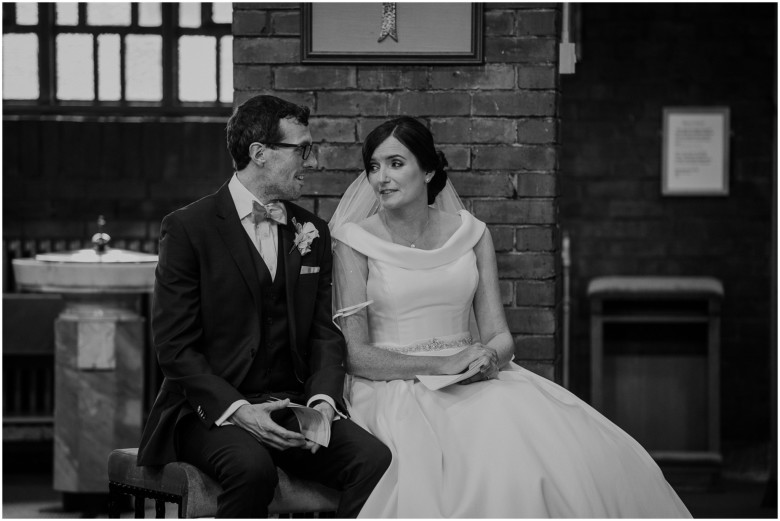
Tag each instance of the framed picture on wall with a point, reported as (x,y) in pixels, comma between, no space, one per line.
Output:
(372,32)
(695,151)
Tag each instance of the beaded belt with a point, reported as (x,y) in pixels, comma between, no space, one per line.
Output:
(432,344)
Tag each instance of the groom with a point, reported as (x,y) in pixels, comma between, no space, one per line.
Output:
(242,326)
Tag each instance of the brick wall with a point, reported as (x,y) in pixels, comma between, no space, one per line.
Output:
(638,59)
(497,123)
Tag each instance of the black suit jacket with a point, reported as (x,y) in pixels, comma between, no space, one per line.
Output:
(207,314)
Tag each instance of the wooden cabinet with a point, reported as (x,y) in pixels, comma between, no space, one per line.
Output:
(655,363)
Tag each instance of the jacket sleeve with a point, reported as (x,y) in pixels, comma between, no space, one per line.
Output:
(177,325)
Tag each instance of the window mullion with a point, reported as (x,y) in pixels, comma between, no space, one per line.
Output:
(46,54)
(170,62)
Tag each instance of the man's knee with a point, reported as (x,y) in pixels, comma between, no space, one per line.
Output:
(375,458)
(253,469)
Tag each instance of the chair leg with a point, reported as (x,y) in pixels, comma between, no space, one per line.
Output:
(113,502)
(139,506)
(159,508)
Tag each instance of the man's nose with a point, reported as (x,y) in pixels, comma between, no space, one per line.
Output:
(311,161)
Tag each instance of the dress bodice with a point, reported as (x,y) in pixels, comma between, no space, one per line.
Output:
(421,298)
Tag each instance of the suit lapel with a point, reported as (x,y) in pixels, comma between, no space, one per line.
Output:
(234,237)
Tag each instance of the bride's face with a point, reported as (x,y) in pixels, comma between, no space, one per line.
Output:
(395,175)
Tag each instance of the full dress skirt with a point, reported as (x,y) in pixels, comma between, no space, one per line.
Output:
(516,446)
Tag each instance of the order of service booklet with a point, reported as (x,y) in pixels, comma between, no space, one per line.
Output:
(314,425)
(434,382)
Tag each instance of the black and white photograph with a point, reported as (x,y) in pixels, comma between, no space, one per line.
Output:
(389,260)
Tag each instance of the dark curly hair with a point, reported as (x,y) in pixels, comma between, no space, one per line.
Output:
(419,140)
(257,120)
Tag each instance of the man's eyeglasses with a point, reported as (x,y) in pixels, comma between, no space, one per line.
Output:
(305,148)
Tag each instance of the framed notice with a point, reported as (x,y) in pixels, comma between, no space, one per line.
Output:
(390,32)
(695,151)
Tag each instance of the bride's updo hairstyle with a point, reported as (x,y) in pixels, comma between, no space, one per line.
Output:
(413,135)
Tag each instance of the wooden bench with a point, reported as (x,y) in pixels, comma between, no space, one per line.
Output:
(196,494)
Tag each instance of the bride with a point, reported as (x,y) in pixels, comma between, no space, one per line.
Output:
(411,267)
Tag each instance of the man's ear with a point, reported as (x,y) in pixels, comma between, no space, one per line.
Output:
(256,151)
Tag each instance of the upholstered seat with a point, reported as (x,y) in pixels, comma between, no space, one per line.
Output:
(196,493)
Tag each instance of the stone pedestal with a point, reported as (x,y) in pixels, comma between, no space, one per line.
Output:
(99,383)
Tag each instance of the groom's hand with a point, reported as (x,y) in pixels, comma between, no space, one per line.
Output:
(256,419)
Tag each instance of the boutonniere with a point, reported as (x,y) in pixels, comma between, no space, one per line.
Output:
(304,235)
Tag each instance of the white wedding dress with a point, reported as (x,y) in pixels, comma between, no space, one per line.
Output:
(517,446)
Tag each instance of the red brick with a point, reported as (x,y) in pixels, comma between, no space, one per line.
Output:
(536,185)
(300,98)
(332,130)
(535,238)
(249,23)
(535,347)
(327,183)
(264,5)
(307,203)
(520,6)
(490,130)
(393,79)
(469,184)
(526,265)
(520,103)
(366,125)
(458,157)
(430,103)
(266,50)
(286,23)
(543,77)
(326,207)
(499,23)
(531,321)
(451,130)
(473,130)
(537,23)
(524,157)
(499,76)
(520,50)
(331,157)
(352,103)
(310,78)
(505,287)
(525,211)
(503,239)
(535,293)
(537,131)
(247,77)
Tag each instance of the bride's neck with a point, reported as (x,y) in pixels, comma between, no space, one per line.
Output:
(408,216)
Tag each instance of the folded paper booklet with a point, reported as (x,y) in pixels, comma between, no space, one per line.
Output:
(440,381)
(314,425)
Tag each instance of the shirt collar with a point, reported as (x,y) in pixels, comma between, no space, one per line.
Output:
(242,197)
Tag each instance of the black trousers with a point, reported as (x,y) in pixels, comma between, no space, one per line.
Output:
(353,463)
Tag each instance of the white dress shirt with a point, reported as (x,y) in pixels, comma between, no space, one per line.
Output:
(266,240)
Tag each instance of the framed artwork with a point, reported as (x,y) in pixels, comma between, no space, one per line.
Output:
(377,33)
(695,151)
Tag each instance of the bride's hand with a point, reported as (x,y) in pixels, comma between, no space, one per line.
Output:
(461,360)
(488,366)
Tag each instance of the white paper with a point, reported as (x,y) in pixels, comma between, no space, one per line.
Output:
(436,382)
(314,426)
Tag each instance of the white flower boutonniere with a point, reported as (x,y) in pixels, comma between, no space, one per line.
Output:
(304,235)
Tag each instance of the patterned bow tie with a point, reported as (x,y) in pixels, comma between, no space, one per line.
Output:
(273,211)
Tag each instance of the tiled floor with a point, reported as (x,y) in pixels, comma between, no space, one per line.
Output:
(28,494)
